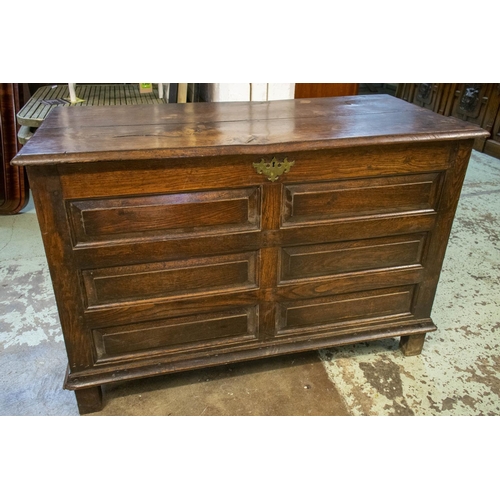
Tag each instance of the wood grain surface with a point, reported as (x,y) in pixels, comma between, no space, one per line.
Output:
(82,134)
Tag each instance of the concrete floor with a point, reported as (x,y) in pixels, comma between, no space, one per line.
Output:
(458,372)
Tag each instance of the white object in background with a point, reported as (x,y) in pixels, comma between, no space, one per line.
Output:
(220,92)
(163,89)
(166,90)
(258,91)
(72,93)
(223,92)
(278,91)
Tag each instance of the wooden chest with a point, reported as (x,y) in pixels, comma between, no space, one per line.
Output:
(185,236)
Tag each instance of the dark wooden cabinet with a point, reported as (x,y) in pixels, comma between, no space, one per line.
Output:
(492,144)
(192,235)
(14,190)
(477,103)
(305,90)
(433,96)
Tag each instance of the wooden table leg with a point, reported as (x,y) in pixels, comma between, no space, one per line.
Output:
(411,345)
(89,400)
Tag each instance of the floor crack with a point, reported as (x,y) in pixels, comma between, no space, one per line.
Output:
(10,236)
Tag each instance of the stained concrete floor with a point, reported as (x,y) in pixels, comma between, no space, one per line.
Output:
(458,372)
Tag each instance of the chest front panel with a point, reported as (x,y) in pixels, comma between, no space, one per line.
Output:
(177,259)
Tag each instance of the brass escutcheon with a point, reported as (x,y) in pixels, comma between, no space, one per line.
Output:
(274,168)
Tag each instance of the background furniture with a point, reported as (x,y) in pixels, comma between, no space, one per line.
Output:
(184,237)
(477,103)
(305,90)
(14,191)
(230,92)
(48,97)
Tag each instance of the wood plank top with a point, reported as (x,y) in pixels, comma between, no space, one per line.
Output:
(88,134)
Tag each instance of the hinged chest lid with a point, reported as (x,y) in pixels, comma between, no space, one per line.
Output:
(103,133)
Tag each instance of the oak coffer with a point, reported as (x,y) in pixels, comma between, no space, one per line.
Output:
(183,236)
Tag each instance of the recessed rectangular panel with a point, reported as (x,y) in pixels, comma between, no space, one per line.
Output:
(101,220)
(169,279)
(328,259)
(178,334)
(360,306)
(359,198)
